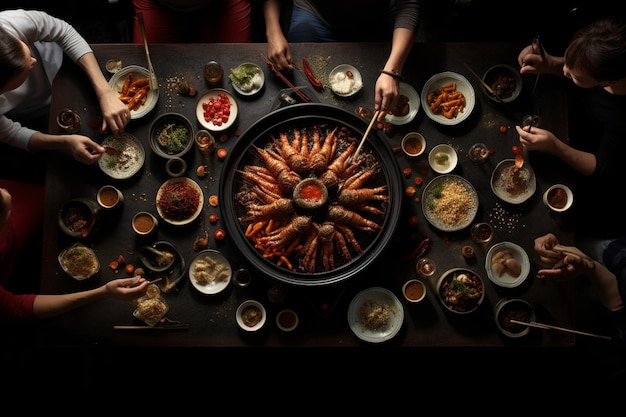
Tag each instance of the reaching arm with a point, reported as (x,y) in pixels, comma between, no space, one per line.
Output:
(46,306)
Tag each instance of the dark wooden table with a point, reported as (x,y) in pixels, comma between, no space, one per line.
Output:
(211,318)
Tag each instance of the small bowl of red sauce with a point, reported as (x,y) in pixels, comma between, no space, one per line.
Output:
(413,144)
(310,193)
(558,198)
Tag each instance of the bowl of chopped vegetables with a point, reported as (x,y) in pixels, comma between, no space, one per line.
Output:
(248,79)
(171,135)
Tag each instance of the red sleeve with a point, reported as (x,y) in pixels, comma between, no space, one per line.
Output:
(14,306)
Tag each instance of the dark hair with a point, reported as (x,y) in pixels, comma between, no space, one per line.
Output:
(12,60)
(600,49)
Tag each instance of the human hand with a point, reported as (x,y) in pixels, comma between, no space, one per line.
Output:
(115,114)
(127,289)
(537,139)
(279,53)
(83,149)
(385,95)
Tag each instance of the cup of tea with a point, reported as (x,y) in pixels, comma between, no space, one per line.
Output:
(213,73)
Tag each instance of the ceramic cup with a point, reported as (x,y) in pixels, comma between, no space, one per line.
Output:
(110,197)
(144,223)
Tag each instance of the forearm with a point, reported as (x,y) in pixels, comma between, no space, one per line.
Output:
(271,14)
(47,306)
(400,48)
(46,142)
(89,65)
(605,286)
(583,162)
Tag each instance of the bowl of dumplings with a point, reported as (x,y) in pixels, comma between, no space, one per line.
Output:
(507,265)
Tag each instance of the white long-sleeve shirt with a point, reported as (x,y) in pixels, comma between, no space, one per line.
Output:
(48,39)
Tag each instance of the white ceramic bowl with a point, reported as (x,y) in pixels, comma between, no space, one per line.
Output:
(505,277)
(342,84)
(438,81)
(375,297)
(253,87)
(443,165)
(251,315)
(558,198)
(413,144)
(129,159)
(117,82)
(414,291)
(210,272)
(512,187)
(213,95)
(432,192)
(407,90)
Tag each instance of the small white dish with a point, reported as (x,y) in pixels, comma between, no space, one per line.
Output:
(251,315)
(443,158)
(558,198)
(210,272)
(204,118)
(511,185)
(376,297)
(414,291)
(413,144)
(129,159)
(438,81)
(117,83)
(345,80)
(409,92)
(255,82)
(506,278)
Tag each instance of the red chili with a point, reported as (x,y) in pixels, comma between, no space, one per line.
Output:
(420,249)
(310,75)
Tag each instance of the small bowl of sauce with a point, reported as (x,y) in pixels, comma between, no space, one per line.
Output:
(310,193)
(414,290)
(558,198)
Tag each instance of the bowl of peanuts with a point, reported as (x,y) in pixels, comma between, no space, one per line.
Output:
(448,98)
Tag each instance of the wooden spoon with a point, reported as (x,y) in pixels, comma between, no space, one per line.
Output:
(111,151)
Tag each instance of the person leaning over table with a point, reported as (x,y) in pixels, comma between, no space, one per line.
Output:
(608,277)
(20,217)
(348,21)
(595,60)
(32,46)
(181,21)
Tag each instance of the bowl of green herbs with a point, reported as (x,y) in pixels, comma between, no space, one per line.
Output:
(171,135)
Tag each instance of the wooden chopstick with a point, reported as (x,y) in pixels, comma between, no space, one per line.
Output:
(562,329)
(487,87)
(154,83)
(295,89)
(367,131)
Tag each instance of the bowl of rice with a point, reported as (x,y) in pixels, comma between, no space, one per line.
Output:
(450,203)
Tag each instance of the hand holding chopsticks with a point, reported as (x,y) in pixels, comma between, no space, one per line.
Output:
(295,89)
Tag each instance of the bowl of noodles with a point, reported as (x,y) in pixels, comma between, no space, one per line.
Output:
(171,135)
(179,201)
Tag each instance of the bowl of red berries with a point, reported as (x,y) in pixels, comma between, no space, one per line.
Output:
(217,110)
